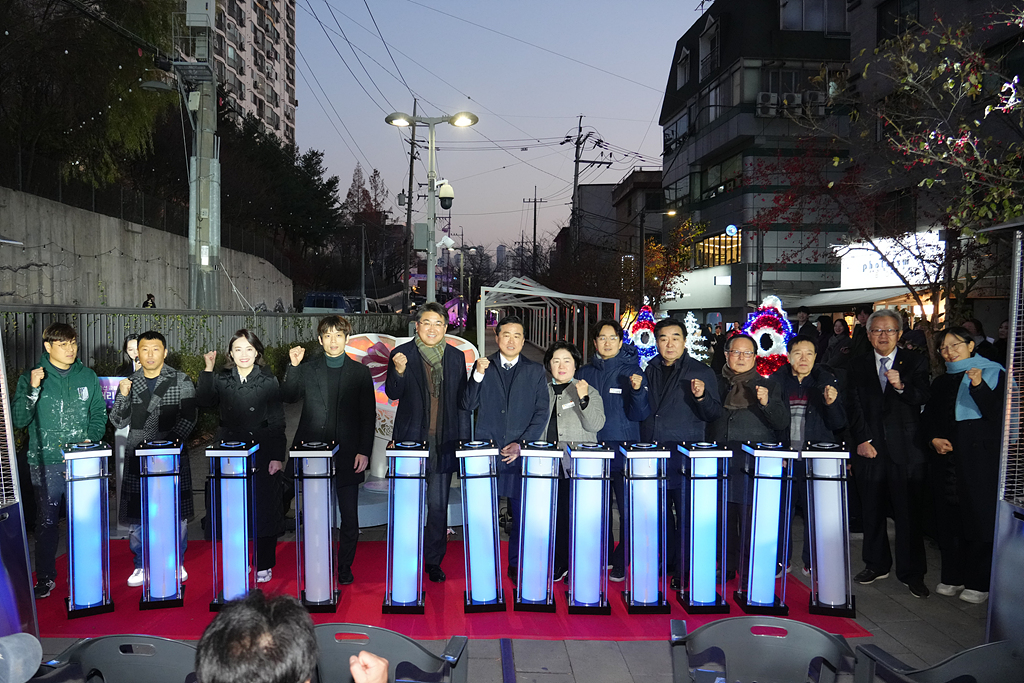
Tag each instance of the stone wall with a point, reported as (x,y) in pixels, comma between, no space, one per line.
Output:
(73,257)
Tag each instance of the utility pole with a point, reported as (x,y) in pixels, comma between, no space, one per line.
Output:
(408,213)
(362,273)
(574,220)
(534,201)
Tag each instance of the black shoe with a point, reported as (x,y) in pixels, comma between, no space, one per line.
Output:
(345,576)
(435,573)
(917,588)
(559,573)
(673,582)
(617,574)
(513,573)
(43,588)
(867,576)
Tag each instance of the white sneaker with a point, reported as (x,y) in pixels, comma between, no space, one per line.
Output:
(137,578)
(184,575)
(975,597)
(948,590)
(264,575)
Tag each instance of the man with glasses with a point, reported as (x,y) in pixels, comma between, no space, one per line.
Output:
(59,401)
(426,376)
(887,389)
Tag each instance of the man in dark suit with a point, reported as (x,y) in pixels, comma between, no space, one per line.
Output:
(338,406)
(887,388)
(804,325)
(859,343)
(510,394)
(427,376)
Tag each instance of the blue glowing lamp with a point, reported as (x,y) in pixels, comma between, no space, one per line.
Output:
(160,470)
(589,484)
(537,526)
(478,472)
(87,477)
(766,529)
(407,494)
(233,519)
(316,552)
(645,536)
(707,471)
(829,529)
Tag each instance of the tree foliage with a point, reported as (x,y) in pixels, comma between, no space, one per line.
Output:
(668,262)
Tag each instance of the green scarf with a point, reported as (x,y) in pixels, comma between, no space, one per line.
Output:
(434,355)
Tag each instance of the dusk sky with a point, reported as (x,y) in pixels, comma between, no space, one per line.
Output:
(528,69)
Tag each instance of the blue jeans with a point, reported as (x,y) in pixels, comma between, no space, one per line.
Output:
(48,485)
(135,542)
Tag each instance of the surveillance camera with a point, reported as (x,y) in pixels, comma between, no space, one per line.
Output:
(447,195)
(447,242)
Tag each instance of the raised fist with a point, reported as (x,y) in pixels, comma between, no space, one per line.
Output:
(36,378)
(697,387)
(296,354)
(482,364)
(762,395)
(400,362)
(831,394)
(124,386)
(636,381)
(581,388)
(210,358)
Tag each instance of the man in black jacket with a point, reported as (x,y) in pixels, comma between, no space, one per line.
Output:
(338,406)
(426,376)
(886,391)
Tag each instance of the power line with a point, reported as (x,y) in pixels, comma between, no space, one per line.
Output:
(336,115)
(355,54)
(374,20)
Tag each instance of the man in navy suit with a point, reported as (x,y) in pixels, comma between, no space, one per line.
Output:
(509,393)
(887,388)
(427,376)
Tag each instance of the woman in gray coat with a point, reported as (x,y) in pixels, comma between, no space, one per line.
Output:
(576,414)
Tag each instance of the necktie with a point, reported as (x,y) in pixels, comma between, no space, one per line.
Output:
(507,365)
(882,379)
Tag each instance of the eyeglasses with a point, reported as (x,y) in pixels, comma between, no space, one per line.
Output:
(606,338)
(949,349)
(890,331)
(741,354)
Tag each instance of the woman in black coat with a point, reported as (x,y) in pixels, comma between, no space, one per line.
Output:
(130,349)
(250,410)
(963,426)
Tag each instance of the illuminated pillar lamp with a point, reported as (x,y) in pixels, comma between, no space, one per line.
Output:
(829,529)
(232,516)
(537,526)
(316,552)
(160,471)
(645,537)
(407,493)
(478,471)
(588,528)
(765,529)
(707,474)
(87,477)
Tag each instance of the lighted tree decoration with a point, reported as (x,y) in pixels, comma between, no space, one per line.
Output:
(696,342)
(770,328)
(641,335)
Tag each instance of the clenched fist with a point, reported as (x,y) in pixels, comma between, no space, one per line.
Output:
(867,450)
(581,388)
(400,362)
(762,395)
(296,354)
(636,380)
(482,364)
(894,379)
(697,387)
(210,358)
(942,446)
(125,386)
(36,378)
(975,376)
(831,394)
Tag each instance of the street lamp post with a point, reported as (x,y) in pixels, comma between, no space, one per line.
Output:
(643,242)
(460,120)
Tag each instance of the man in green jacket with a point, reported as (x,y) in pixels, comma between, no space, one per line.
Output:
(60,402)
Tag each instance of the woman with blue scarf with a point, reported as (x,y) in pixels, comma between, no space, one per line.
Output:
(963,425)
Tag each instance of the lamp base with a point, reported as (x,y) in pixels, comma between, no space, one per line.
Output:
(719,606)
(519,606)
(848,610)
(777,609)
(417,608)
(603,607)
(329,606)
(75,612)
(661,607)
(471,607)
(161,603)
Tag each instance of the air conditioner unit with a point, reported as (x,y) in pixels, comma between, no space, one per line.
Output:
(814,103)
(793,102)
(767,105)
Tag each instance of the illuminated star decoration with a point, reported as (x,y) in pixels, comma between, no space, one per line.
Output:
(641,336)
(770,328)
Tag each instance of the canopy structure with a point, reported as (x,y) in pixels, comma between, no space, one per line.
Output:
(549,315)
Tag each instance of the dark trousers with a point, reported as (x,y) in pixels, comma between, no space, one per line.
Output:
(514,510)
(435,536)
(675,527)
(966,554)
(48,485)
(881,482)
(266,552)
(348,503)
(617,553)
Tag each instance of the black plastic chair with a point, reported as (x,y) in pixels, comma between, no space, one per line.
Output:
(989,663)
(407,659)
(131,659)
(761,649)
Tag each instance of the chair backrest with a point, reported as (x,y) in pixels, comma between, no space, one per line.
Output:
(989,663)
(133,659)
(337,642)
(768,650)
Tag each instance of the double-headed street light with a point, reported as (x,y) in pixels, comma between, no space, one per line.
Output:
(460,120)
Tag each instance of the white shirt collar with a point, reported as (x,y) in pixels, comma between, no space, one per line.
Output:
(508,361)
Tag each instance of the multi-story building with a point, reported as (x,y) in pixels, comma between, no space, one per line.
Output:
(254,45)
(746,87)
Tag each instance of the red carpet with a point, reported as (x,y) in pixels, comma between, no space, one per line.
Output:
(361,603)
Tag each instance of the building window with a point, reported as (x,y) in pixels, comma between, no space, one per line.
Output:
(709,43)
(676,132)
(895,17)
(720,250)
(717,179)
(813,15)
(683,69)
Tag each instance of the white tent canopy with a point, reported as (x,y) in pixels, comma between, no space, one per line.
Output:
(549,315)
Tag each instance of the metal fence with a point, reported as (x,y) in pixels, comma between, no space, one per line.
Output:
(101,331)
